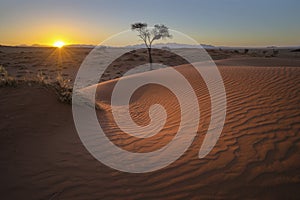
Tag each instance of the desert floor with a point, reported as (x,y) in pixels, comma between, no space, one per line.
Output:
(256,157)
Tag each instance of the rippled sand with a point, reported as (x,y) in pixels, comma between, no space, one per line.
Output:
(256,157)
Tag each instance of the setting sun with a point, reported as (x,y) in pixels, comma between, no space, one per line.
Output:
(59,44)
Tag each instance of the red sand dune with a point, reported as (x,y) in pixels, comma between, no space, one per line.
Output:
(257,155)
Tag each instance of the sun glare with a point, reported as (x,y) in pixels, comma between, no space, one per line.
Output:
(59,44)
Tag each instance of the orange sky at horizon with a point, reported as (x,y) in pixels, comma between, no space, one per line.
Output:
(218,23)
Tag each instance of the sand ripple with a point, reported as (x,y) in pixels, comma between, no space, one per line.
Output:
(257,155)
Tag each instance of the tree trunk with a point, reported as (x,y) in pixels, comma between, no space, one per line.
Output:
(150,58)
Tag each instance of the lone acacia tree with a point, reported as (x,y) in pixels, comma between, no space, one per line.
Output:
(159,31)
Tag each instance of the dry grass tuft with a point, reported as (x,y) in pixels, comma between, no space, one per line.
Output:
(63,89)
(61,85)
(6,79)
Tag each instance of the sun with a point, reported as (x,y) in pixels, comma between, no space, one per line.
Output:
(59,44)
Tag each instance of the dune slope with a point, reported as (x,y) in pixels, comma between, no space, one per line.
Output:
(257,155)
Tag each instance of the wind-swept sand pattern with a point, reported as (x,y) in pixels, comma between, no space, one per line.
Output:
(257,155)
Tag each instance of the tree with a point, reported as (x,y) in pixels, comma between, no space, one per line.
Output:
(148,36)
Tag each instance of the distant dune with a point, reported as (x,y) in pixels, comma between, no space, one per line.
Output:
(295,50)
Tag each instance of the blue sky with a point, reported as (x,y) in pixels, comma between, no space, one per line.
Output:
(217,22)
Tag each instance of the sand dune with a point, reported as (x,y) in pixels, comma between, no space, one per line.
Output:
(256,157)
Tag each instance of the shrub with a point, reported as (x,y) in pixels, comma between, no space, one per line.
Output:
(5,79)
(41,78)
(264,52)
(275,53)
(63,89)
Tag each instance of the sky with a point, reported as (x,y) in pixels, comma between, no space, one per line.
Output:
(215,22)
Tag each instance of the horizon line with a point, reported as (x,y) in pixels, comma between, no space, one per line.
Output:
(75,45)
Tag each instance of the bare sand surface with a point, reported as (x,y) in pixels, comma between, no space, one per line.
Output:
(256,157)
